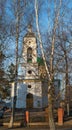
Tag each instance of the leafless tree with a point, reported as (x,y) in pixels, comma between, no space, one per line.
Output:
(49,72)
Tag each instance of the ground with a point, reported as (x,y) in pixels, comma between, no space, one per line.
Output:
(67,125)
(2,128)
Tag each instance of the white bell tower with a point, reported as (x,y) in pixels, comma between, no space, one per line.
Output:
(30,55)
(29,89)
(30,47)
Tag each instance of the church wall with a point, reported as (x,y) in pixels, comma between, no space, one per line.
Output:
(38,95)
(23,90)
(21,95)
(34,71)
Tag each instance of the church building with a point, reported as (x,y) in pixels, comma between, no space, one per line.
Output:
(31,89)
(32,86)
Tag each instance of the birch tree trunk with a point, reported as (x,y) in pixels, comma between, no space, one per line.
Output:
(16,67)
(49,72)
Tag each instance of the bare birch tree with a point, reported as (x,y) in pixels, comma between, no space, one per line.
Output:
(17,25)
(17,30)
(49,72)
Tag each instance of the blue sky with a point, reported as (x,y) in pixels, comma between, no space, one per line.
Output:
(45,18)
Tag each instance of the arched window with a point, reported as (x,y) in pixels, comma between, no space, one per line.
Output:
(29,54)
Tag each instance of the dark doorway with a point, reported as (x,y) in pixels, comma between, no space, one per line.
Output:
(29,100)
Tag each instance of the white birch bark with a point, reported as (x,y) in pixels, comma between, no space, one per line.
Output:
(49,73)
(16,68)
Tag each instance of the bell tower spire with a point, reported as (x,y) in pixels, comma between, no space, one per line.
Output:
(30,28)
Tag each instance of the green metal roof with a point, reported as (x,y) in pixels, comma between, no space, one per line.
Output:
(40,61)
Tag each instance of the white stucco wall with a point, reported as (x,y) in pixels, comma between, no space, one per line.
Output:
(23,90)
(21,95)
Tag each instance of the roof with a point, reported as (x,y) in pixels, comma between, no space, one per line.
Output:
(30,34)
(40,61)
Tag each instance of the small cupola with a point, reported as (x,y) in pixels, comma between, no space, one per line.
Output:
(30,32)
